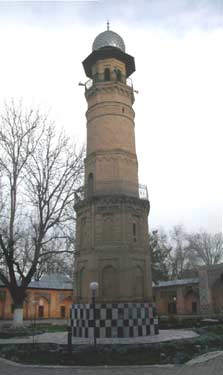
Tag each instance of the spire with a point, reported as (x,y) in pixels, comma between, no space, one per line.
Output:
(108,25)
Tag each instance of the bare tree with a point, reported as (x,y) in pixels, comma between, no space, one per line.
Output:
(206,247)
(160,255)
(172,254)
(40,172)
(180,262)
(58,263)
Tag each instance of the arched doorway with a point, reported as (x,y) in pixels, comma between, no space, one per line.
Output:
(191,302)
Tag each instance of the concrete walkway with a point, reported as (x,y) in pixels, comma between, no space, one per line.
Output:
(61,338)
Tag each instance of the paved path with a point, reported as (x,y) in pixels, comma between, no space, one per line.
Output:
(61,338)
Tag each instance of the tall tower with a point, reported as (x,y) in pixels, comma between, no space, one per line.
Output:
(112,217)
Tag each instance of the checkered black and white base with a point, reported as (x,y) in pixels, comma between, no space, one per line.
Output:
(114,320)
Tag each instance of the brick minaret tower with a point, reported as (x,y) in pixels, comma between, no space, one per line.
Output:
(112,217)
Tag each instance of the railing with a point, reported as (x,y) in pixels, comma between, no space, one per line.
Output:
(89,84)
(114,188)
(143,192)
(129,82)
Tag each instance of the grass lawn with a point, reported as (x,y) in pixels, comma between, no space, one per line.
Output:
(32,329)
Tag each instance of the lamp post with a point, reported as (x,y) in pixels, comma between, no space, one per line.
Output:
(94,286)
(174,304)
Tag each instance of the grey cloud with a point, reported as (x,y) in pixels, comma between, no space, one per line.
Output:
(171,14)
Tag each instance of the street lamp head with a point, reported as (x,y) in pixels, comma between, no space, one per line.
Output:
(93,285)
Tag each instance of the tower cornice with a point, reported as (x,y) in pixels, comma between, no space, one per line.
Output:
(114,152)
(110,199)
(111,87)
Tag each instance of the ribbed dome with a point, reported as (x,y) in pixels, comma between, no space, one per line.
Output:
(108,38)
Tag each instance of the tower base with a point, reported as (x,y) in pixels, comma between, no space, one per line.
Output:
(114,320)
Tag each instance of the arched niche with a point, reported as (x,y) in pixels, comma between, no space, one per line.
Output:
(83,232)
(107,228)
(90,185)
(41,309)
(64,308)
(138,280)
(82,283)
(191,301)
(109,283)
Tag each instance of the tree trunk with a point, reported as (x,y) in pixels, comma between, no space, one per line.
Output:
(18,317)
(18,297)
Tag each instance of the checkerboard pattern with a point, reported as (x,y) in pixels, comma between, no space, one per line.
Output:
(114,320)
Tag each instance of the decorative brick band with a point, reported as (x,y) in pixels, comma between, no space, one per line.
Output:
(114,320)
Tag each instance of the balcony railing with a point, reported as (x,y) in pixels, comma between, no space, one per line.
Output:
(143,192)
(114,188)
(89,84)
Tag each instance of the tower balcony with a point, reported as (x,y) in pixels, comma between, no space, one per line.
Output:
(123,86)
(100,79)
(113,188)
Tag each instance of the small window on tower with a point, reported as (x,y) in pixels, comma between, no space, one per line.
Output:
(119,75)
(107,74)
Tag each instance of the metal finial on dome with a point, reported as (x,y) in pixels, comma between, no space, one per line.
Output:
(108,25)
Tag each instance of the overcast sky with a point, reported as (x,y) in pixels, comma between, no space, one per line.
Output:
(178,49)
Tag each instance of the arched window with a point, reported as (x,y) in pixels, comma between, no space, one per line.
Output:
(135,229)
(90,185)
(107,74)
(119,75)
